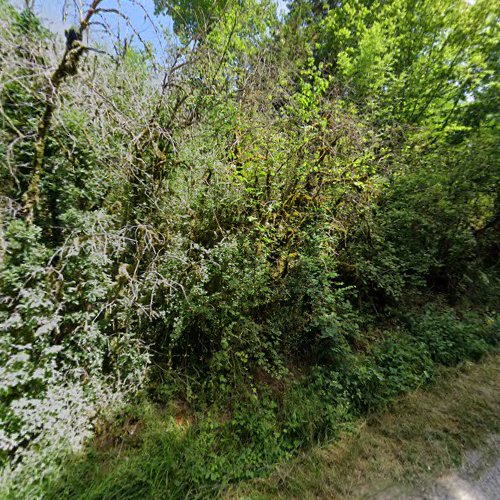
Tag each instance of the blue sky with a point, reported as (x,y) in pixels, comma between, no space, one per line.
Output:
(139,12)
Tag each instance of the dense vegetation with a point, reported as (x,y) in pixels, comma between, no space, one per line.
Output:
(217,254)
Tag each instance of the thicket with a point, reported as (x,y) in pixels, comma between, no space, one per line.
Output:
(273,225)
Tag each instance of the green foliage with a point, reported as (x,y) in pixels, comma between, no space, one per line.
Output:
(414,61)
(423,232)
(282,225)
(451,340)
(200,455)
(193,17)
(394,365)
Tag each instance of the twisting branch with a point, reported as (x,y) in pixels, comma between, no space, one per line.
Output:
(67,67)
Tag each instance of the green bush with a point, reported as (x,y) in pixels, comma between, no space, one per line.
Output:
(270,224)
(450,339)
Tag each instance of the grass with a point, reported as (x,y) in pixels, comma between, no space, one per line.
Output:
(424,434)
(150,453)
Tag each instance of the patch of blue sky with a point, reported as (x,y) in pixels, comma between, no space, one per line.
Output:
(137,22)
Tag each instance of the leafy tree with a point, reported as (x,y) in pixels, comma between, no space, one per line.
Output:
(281,224)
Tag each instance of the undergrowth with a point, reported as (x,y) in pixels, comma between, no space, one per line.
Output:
(172,451)
(227,247)
(398,453)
